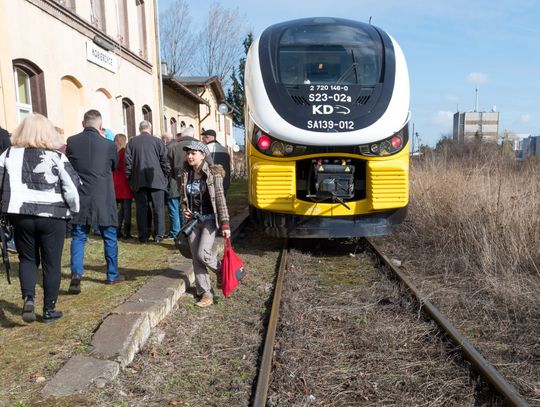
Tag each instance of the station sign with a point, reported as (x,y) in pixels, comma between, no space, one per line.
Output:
(101,57)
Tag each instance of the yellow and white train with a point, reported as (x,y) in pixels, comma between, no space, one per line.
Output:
(326,114)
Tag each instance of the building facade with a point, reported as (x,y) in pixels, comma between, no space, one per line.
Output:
(79,55)
(181,107)
(470,126)
(210,90)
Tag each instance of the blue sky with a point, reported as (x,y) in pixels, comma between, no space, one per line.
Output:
(451,48)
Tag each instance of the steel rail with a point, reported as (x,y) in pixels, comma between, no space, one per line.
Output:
(263,381)
(470,353)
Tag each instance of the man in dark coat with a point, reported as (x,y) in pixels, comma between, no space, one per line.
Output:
(94,158)
(5,141)
(219,155)
(147,170)
(172,196)
(176,156)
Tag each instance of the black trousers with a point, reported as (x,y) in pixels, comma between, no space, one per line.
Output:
(142,198)
(39,240)
(124,216)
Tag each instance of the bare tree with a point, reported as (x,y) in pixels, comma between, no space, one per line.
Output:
(220,42)
(177,40)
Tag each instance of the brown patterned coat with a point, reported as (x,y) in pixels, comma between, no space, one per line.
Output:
(213,176)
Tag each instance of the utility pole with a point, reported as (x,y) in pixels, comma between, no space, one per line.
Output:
(412,138)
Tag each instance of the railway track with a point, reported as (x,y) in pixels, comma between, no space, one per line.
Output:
(477,361)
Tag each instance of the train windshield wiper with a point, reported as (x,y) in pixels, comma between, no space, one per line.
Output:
(347,72)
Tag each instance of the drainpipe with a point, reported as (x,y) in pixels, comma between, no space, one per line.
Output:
(158,65)
(208,114)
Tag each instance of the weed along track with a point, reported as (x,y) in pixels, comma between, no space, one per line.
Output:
(348,335)
(204,357)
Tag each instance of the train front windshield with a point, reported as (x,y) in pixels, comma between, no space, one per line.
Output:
(353,58)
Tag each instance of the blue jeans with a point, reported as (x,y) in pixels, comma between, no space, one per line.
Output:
(79,235)
(173,204)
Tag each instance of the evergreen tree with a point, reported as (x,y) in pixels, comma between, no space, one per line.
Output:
(235,95)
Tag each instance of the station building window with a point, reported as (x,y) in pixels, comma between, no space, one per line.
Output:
(124,25)
(147,113)
(72,104)
(69,4)
(97,19)
(141,17)
(103,103)
(128,115)
(174,129)
(29,89)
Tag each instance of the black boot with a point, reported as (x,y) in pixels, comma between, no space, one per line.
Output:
(75,285)
(50,315)
(28,314)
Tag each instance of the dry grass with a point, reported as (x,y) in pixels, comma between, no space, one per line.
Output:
(348,336)
(208,356)
(471,241)
(480,217)
(30,351)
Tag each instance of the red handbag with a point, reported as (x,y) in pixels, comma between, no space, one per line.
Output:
(232,269)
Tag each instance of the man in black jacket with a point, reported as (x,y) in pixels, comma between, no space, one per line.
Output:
(147,170)
(94,158)
(219,155)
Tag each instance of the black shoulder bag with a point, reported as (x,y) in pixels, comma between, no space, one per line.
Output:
(6,234)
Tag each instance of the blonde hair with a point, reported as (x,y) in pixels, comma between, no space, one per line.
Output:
(120,140)
(37,131)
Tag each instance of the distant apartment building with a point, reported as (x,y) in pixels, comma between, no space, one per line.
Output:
(470,126)
(63,57)
(530,147)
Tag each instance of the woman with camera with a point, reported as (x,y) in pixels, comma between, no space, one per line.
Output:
(203,201)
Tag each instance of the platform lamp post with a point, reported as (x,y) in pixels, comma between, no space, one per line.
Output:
(225,108)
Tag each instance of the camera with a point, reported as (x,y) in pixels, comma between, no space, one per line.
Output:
(188,227)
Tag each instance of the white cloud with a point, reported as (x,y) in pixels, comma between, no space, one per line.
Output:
(524,118)
(478,78)
(443,118)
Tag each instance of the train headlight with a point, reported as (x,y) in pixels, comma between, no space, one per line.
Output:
(278,149)
(388,146)
(264,142)
(396,142)
(270,146)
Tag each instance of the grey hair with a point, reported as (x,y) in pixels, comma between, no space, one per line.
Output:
(92,118)
(188,132)
(145,126)
(166,136)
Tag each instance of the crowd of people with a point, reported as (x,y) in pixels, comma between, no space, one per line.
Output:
(48,187)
